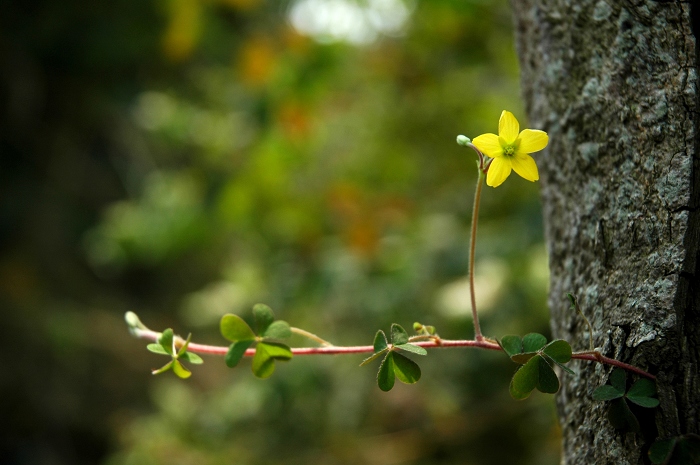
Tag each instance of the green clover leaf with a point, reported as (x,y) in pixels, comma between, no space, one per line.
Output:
(537,358)
(267,350)
(398,335)
(166,346)
(619,413)
(679,450)
(265,355)
(234,328)
(263,317)
(394,364)
(380,348)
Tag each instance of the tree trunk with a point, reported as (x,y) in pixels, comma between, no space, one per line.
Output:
(614,83)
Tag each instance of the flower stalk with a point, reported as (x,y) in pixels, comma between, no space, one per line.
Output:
(472,249)
(483,167)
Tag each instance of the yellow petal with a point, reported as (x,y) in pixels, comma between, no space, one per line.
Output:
(508,127)
(489,145)
(532,140)
(499,170)
(525,166)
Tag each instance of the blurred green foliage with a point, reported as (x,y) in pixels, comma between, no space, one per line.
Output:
(187,158)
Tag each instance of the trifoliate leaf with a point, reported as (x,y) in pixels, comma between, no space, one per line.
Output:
(192,358)
(166,341)
(380,342)
(607,392)
(512,345)
(405,369)
(412,348)
(156,349)
(619,413)
(398,335)
(180,370)
(236,351)
(386,376)
(533,342)
(278,330)
(234,328)
(263,317)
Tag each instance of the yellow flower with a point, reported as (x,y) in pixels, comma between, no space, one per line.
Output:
(509,150)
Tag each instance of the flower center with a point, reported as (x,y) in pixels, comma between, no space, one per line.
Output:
(509,150)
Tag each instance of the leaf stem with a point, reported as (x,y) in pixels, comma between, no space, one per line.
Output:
(308,335)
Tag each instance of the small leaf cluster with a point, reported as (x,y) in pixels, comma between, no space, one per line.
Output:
(680,450)
(166,346)
(267,349)
(395,365)
(537,359)
(640,393)
(424,330)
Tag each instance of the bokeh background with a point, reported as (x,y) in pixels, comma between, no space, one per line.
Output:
(187,158)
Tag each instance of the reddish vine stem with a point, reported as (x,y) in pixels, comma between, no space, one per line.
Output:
(339,350)
(597,357)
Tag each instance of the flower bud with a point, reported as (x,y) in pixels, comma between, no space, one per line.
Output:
(463,140)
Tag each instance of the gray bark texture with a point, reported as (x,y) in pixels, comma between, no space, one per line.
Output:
(615,84)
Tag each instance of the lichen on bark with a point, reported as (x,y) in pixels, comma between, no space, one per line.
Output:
(615,85)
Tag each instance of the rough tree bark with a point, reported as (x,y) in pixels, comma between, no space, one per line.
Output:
(615,84)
